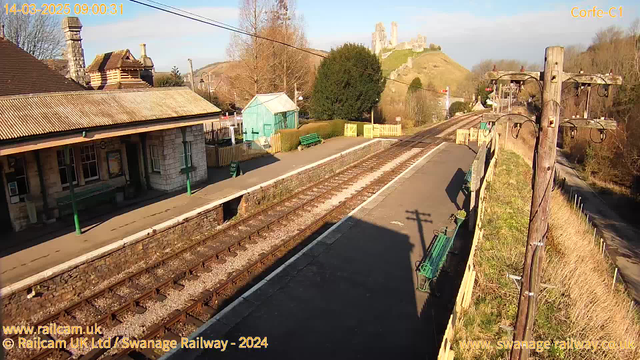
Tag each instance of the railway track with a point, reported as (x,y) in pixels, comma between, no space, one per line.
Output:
(269,233)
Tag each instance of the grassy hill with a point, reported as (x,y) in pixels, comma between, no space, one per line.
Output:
(234,67)
(432,67)
(396,59)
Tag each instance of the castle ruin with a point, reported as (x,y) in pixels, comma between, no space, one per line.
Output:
(379,41)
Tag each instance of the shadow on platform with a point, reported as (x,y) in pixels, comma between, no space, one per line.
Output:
(91,218)
(355,298)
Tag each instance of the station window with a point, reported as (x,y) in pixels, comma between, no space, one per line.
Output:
(17,179)
(62,169)
(89,162)
(154,154)
(182,147)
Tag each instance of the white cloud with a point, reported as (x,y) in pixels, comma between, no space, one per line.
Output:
(170,39)
(469,38)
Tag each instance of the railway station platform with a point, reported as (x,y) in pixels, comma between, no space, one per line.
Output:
(351,293)
(31,252)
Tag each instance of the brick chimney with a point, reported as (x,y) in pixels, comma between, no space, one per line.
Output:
(75,54)
(148,71)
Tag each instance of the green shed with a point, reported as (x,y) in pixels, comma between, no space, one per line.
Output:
(265,114)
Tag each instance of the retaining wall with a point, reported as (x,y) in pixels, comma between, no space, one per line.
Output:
(104,267)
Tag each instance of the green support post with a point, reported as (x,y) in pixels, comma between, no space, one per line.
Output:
(186,159)
(67,162)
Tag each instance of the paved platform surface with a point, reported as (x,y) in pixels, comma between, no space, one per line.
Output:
(621,238)
(352,293)
(26,253)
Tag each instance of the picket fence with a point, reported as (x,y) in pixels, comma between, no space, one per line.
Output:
(223,156)
(379,130)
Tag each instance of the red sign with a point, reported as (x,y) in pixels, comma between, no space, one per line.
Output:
(443,91)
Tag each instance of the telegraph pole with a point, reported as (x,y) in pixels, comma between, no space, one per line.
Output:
(544,166)
(193,88)
(548,124)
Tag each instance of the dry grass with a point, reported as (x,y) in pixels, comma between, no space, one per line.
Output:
(580,304)
(608,186)
(594,310)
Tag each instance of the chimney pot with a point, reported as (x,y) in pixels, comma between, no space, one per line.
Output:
(143,50)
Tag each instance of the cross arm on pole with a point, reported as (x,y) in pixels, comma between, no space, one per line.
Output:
(600,79)
(513,75)
(582,78)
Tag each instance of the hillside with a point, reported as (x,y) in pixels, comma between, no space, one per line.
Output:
(431,67)
(434,68)
(234,67)
(223,76)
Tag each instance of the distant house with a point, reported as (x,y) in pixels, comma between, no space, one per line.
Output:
(118,142)
(265,114)
(121,70)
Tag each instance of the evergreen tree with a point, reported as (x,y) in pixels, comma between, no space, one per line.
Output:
(416,84)
(348,84)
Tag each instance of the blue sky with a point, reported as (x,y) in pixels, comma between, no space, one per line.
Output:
(468,31)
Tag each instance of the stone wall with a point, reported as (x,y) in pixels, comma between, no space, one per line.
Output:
(170,177)
(62,289)
(51,175)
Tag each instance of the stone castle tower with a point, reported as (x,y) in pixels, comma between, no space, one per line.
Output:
(394,35)
(74,52)
(379,40)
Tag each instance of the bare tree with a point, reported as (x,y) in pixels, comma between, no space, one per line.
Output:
(270,66)
(250,50)
(289,66)
(39,35)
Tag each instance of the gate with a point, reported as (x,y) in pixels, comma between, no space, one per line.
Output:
(351,130)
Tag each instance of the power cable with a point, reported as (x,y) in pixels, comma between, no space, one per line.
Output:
(221,25)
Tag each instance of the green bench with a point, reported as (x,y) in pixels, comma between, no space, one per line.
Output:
(87,197)
(435,259)
(310,140)
(234,169)
(466,187)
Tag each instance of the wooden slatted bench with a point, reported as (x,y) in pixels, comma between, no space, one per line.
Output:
(435,259)
(90,196)
(310,140)
(466,187)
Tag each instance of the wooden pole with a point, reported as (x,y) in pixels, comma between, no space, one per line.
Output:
(193,88)
(544,165)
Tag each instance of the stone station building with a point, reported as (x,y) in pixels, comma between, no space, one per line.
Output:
(119,143)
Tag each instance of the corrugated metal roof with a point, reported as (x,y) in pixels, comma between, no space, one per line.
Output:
(276,102)
(39,114)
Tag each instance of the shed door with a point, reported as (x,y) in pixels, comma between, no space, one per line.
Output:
(268,130)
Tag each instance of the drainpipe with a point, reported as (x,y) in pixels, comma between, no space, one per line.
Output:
(187,168)
(67,162)
(43,187)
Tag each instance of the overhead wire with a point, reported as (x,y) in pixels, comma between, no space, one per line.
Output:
(205,20)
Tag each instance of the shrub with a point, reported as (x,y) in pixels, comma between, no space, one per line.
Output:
(290,138)
(458,106)
(348,83)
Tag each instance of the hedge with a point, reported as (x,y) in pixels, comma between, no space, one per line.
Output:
(290,138)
